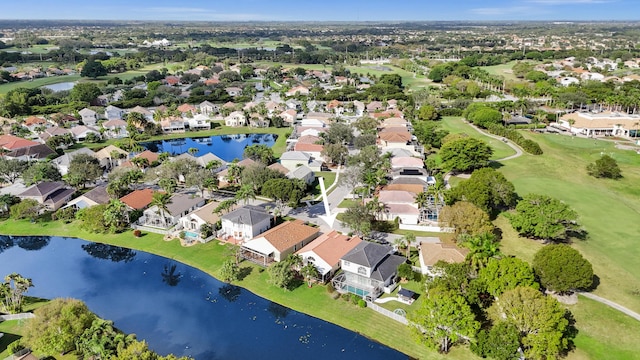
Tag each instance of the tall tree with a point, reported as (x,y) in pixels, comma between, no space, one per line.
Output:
(39,172)
(116,216)
(93,69)
(562,268)
(501,342)
(259,152)
(57,325)
(245,193)
(84,168)
(541,321)
(487,189)
(505,274)
(12,292)
(85,92)
(466,219)
(309,272)
(161,201)
(543,217)
(465,154)
(443,320)
(11,170)
(482,248)
(359,219)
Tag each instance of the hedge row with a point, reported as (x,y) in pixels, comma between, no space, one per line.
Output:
(527,145)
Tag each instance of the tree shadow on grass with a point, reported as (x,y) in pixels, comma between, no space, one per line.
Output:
(244,272)
(595,284)
(8,339)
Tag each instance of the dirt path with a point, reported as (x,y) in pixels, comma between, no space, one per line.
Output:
(612,304)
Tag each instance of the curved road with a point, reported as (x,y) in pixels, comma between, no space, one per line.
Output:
(503,139)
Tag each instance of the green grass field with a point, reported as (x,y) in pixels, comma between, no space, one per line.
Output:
(5,88)
(455,125)
(504,70)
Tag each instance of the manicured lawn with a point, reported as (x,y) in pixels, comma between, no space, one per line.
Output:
(604,333)
(503,70)
(347,203)
(456,125)
(4,88)
(608,210)
(314,301)
(11,333)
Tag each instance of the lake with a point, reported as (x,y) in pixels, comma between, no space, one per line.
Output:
(176,308)
(63,86)
(226,147)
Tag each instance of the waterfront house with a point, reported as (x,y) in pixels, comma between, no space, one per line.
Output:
(138,199)
(325,252)
(52,195)
(244,223)
(193,221)
(179,206)
(115,128)
(275,244)
(93,197)
(368,270)
(236,118)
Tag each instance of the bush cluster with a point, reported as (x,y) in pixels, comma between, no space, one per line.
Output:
(527,145)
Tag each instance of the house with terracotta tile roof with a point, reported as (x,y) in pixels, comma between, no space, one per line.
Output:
(187,108)
(138,199)
(431,253)
(33,122)
(325,252)
(148,155)
(406,162)
(11,142)
(289,116)
(298,90)
(314,150)
(275,244)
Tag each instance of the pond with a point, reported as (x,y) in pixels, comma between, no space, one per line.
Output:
(176,308)
(226,147)
(63,86)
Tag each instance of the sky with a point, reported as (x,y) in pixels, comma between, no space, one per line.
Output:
(322,10)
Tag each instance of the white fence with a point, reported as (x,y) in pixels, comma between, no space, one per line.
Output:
(387,313)
(16,316)
(425,228)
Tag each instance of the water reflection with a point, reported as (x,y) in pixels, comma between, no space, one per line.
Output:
(229,292)
(31,243)
(109,252)
(227,147)
(188,318)
(170,276)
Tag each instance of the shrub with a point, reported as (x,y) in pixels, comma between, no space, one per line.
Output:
(355,298)
(346,297)
(527,145)
(330,288)
(362,303)
(137,233)
(14,347)
(65,215)
(605,167)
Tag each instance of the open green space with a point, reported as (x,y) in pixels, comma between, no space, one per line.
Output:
(315,301)
(5,88)
(608,209)
(456,125)
(603,332)
(504,70)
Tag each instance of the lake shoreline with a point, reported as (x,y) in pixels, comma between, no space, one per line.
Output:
(393,334)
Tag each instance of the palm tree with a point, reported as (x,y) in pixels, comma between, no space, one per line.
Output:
(213,165)
(481,247)
(140,162)
(309,272)
(376,207)
(211,184)
(168,185)
(193,151)
(245,193)
(13,289)
(409,239)
(401,242)
(115,155)
(161,201)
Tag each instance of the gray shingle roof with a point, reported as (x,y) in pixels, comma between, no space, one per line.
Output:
(247,215)
(98,194)
(367,254)
(42,189)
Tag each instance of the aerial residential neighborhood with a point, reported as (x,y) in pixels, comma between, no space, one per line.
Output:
(362,189)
